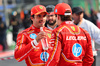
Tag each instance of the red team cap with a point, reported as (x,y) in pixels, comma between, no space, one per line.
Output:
(61,8)
(38,9)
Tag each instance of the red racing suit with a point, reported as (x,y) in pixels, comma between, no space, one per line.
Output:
(71,46)
(24,50)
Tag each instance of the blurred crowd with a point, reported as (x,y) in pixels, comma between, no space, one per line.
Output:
(23,21)
(15,24)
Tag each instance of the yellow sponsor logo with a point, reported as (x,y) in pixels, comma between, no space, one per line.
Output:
(73,28)
(49,35)
(41,7)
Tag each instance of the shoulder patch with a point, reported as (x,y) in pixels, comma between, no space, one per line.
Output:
(77,49)
(73,28)
(33,36)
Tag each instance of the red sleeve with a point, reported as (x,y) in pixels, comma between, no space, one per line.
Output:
(88,58)
(55,53)
(22,49)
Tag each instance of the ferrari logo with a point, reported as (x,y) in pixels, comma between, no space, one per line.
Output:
(49,35)
(41,7)
(73,28)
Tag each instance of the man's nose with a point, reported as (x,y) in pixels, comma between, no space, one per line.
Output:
(42,18)
(50,17)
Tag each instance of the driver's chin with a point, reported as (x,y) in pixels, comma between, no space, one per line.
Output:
(41,24)
(51,22)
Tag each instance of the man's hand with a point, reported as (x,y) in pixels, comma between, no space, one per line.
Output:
(40,36)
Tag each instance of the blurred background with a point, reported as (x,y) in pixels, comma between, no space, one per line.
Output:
(15,17)
(7,7)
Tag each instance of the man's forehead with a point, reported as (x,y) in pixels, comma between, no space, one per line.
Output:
(79,13)
(43,13)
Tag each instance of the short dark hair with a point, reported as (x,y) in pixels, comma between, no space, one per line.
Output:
(66,17)
(32,16)
(77,10)
(31,20)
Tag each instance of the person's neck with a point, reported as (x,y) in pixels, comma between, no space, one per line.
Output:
(37,26)
(78,23)
(52,26)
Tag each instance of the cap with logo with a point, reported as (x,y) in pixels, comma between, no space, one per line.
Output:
(38,9)
(61,8)
(77,10)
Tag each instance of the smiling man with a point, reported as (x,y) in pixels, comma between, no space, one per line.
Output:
(29,45)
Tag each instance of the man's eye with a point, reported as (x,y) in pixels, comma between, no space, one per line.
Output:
(44,15)
(39,15)
(47,15)
(51,15)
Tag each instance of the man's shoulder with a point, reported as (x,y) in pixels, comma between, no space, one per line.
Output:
(59,28)
(84,31)
(24,31)
(89,23)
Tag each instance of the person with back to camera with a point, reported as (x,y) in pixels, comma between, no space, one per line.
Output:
(94,31)
(31,45)
(51,19)
(71,44)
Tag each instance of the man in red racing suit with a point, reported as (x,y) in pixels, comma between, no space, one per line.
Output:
(71,44)
(30,49)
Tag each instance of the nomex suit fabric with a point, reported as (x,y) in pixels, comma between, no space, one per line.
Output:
(71,46)
(24,50)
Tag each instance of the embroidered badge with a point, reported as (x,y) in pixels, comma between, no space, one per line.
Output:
(33,36)
(77,49)
(56,10)
(44,56)
(49,35)
(41,7)
(73,28)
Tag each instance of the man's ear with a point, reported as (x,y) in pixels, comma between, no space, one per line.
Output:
(58,17)
(32,18)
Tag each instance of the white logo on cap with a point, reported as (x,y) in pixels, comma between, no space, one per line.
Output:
(31,12)
(67,14)
(56,10)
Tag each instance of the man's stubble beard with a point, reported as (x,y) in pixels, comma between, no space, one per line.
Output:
(51,23)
